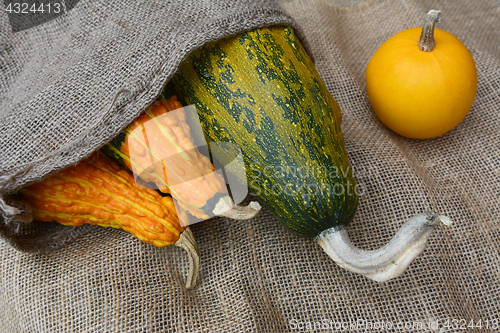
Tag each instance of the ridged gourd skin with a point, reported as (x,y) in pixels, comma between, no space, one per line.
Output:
(165,153)
(260,91)
(99,191)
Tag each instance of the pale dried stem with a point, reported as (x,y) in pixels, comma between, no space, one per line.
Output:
(389,261)
(226,208)
(426,42)
(187,242)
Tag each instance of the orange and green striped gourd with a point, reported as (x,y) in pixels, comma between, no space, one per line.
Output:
(99,191)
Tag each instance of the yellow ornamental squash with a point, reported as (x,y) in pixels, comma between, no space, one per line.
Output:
(422,81)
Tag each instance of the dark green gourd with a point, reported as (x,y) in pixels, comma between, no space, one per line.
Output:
(262,92)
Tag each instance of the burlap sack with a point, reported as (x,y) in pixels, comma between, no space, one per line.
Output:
(256,277)
(71,84)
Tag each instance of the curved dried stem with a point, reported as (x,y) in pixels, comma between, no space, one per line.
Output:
(187,242)
(389,261)
(426,42)
(226,207)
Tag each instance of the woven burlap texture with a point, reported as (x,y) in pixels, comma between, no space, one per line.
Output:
(256,277)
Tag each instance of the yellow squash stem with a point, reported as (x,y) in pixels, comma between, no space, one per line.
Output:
(391,260)
(426,42)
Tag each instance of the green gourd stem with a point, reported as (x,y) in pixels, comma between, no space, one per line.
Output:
(187,242)
(391,260)
(426,42)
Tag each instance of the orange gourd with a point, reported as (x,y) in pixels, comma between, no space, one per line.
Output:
(422,87)
(158,147)
(99,191)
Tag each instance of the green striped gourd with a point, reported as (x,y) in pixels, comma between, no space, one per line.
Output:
(260,91)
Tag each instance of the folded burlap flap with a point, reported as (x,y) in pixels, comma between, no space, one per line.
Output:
(256,277)
(71,84)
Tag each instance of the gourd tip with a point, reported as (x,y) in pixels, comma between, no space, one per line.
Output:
(445,220)
(255,205)
(435,13)
(226,207)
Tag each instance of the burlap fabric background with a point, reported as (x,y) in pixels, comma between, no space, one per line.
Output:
(256,277)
